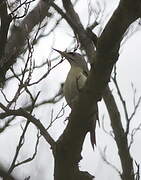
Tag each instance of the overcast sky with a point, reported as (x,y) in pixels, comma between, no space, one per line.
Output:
(128,70)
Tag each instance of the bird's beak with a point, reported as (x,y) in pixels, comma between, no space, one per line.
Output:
(63,53)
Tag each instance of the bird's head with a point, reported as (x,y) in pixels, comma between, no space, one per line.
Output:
(75,59)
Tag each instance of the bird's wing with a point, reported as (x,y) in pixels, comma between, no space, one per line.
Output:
(80,81)
(76,83)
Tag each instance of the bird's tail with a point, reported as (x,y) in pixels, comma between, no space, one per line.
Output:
(93,128)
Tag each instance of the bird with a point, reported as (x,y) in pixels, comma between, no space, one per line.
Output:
(74,83)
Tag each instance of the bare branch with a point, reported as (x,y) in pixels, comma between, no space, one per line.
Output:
(58,96)
(21,142)
(6,124)
(59,115)
(106,56)
(136,104)
(17,41)
(48,71)
(73,20)
(36,122)
(122,101)
(4,175)
(33,156)
(132,135)
(137,174)
(25,3)
(5,23)
(103,155)
(111,134)
(119,134)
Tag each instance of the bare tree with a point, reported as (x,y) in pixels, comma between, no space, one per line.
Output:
(23,25)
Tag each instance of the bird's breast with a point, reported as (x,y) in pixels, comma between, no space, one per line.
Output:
(74,83)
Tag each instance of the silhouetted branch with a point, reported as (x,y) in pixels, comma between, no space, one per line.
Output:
(4,175)
(48,71)
(133,133)
(58,96)
(136,104)
(137,175)
(36,122)
(33,156)
(122,100)
(73,20)
(26,5)
(71,141)
(120,135)
(110,133)
(5,23)
(21,141)
(17,40)
(103,155)
(59,115)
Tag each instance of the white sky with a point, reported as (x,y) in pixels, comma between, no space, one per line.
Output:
(128,68)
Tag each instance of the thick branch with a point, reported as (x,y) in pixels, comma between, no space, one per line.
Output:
(114,31)
(120,135)
(5,22)
(74,21)
(70,143)
(4,175)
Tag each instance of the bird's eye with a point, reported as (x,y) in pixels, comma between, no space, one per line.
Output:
(71,53)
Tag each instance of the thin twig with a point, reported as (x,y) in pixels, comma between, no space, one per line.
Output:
(103,156)
(36,122)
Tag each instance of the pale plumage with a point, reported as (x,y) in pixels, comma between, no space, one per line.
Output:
(75,81)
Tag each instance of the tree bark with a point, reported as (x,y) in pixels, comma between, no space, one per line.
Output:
(16,42)
(69,145)
(120,136)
